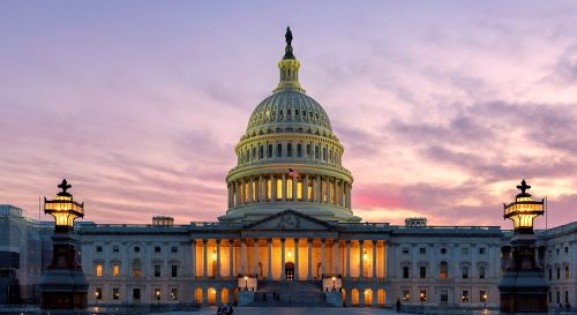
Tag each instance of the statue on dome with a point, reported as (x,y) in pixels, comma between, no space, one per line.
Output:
(288,36)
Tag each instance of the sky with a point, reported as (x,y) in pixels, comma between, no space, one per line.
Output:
(442,106)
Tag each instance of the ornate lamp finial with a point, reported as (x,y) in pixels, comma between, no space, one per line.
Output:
(523,187)
(64,186)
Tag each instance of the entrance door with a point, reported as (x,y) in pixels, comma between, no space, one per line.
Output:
(444,297)
(289,270)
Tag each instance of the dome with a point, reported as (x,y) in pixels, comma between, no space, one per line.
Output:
(289,157)
(289,111)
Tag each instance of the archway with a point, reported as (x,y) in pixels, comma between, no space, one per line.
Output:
(235,296)
(211,296)
(355,297)
(344,295)
(381,297)
(224,296)
(368,297)
(289,269)
(198,295)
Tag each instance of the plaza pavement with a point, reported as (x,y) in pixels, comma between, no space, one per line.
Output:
(292,311)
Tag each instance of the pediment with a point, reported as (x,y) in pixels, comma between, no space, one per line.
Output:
(290,220)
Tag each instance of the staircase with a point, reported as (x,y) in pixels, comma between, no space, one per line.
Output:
(289,293)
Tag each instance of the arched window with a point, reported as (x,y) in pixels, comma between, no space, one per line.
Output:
(279,150)
(269,150)
(444,270)
(261,153)
(325,154)
(309,154)
(299,150)
(317,152)
(289,149)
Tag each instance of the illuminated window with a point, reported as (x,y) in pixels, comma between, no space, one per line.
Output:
(136,269)
(98,293)
(268,189)
(423,295)
(279,189)
(174,294)
(465,296)
(310,193)
(324,190)
(406,295)
(332,192)
(99,269)
(253,190)
(115,294)
(444,271)
(245,192)
(115,270)
(289,188)
(300,190)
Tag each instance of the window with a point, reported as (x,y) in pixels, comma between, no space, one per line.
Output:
(299,150)
(316,151)
(465,272)
(136,269)
(289,150)
(115,294)
(174,294)
(325,154)
(98,293)
(483,296)
(557,251)
(137,249)
(566,250)
(115,249)
(279,150)
(309,150)
(270,150)
(558,295)
(115,270)
(550,297)
(174,249)
(558,273)
(482,250)
(406,295)
(157,249)
(289,189)
(99,269)
(465,296)
(465,251)
(99,249)
(443,250)
(422,250)
(174,271)
(566,272)
(444,271)
(481,272)
(550,273)
(136,294)
(423,272)
(261,152)
(157,294)
(405,250)
(405,272)
(423,295)
(156,271)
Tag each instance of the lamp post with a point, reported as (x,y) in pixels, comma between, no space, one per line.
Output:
(334,284)
(245,283)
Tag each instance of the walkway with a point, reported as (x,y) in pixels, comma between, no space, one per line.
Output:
(292,311)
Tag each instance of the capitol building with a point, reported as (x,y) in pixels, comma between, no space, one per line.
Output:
(288,237)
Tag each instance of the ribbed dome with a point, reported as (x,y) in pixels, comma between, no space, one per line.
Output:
(289,111)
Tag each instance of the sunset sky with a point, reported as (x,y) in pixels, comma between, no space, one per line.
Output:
(442,106)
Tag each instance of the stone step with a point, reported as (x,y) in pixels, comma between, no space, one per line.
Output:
(290,293)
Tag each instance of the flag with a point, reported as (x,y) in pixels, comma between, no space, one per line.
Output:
(292,174)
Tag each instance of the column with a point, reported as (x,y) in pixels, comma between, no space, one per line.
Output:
(348,196)
(310,258)
(282,274)
(204,258)
(295,184)
(283,188)
(322,258)
(237,197)
(316,189)
(229,189)
(243,269)
(218,264)
(374,258)
(193,258)
(342,193)
(230,258)
(348,257)
(361,255)
(384,258)
(255,255)
(273,187)
(296,241)
(336,256)
(249,199)
(269,269)
(305,188)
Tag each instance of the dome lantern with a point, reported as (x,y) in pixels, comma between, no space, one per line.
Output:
(289,68)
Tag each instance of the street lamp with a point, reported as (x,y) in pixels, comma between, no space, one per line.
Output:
(334,285)
(157,297)
(245,283)
(485,300)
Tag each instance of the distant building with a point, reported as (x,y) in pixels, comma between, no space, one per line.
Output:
(290,219)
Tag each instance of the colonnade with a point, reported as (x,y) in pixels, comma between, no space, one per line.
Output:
(282,187)
(268,257)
